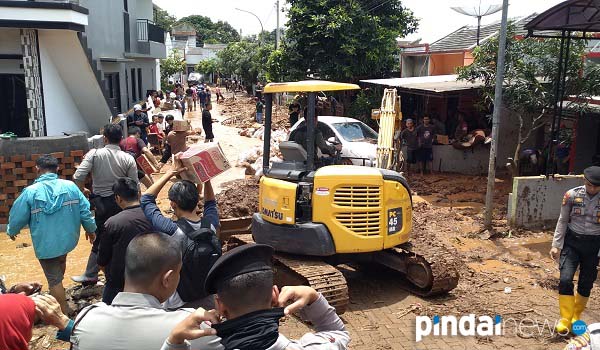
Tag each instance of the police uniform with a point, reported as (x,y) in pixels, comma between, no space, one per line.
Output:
(577,234)
(259,330)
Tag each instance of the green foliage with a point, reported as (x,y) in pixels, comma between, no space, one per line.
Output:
(275,69)
(210,32)
(344,40)
(207,66)
(246,59)
(365,101)
(171,65)
(164,20)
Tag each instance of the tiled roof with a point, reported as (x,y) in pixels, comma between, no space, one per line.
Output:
(465,38)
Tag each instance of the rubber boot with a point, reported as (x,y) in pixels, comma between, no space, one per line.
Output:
(580,304)
(566,304)
(90,277)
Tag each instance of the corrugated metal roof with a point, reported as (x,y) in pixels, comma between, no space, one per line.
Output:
(465,38)
(435,83)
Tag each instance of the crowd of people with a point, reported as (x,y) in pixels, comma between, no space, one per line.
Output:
(166,277)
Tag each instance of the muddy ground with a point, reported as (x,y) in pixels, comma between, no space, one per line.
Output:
(503,272)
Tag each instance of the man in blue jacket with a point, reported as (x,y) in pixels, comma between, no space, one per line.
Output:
(54,209)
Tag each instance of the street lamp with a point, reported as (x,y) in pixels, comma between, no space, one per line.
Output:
(262,29)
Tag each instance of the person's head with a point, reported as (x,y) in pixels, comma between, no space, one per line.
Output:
(426,120)
(208,106)
(160,118)
(592,180)
(134,131)
(153,265)
(154,118)
(184,197)
(126,192)
(410,123)
(112,134)
(137,109)
(243,281)
(154,93)
(169,119)
(46,164)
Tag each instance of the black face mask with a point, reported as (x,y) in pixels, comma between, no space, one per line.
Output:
(255,331)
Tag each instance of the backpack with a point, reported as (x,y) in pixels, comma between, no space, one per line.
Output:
(201,250)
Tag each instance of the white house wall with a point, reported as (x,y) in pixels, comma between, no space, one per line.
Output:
(63,50)
(62,114)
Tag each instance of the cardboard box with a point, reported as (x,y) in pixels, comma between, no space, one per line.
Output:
(204,161)
(180,125)
(145,165)
(442,139)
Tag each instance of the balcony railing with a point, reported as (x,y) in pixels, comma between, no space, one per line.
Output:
(148,31)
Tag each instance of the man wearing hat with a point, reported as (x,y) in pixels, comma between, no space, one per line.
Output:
(577,243)
(140,119)
(252,306)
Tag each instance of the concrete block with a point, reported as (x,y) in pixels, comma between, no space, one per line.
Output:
(447,159)
(536,200)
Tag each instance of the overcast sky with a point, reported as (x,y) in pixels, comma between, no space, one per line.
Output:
(437,19)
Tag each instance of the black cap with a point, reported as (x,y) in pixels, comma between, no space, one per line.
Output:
(592,174)
(238,261)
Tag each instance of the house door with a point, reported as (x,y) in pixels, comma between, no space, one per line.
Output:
(113,87)
(14,116)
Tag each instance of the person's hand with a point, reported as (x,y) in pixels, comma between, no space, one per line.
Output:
(13,238)
(90,237)
(338,147)
(189,328)
(177,167)
(86,192)
(26,288)
(554,253)
(298,296)
(139,122)
(48,309)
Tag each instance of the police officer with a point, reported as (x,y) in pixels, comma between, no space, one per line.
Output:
(252,307)
(577,243)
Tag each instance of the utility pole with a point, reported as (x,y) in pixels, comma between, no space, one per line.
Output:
(489,196)
(277,28)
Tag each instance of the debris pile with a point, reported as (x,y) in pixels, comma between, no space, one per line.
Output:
(238,198)
(241,113)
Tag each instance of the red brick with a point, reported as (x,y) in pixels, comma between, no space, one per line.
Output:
(58,155)
(19,171)
(3,220)
(78,153)
(68,160)
(4,209)
(21,183)
(7,165)
(1,159)
(17,158)
(11,189)
(9,177)
(29,176)
(10,201)
(28,164)
(3,196)
(67,171)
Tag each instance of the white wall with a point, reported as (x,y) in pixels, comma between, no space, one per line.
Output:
(62,114)
(10,41)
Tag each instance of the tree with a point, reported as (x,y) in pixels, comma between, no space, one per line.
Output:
(207,67)
(344,40)
(170,66)
(164,20)
(244,59)
(530,79)
(209,32)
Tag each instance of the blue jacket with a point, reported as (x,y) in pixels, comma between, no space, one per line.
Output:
(54,209)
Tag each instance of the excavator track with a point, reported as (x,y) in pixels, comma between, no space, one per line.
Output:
(431,267)
(300,270)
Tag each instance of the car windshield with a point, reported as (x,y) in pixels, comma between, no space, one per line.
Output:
(355,132)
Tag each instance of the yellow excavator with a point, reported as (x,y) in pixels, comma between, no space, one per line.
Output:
(317,219)
(389,145)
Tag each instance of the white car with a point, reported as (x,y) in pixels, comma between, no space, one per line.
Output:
(359,141)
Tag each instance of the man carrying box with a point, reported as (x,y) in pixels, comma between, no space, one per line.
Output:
(136,147)
(195,233)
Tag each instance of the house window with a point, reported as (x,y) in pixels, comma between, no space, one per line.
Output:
(139,83)
(133,86)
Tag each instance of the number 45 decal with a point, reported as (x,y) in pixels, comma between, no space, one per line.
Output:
(394,220)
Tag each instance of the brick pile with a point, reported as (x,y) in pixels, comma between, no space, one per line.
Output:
(18,172)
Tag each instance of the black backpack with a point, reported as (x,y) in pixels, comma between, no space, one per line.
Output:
(201,250)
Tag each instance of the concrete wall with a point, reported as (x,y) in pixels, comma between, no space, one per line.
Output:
(43,145)
(536,200)
(10,45)
(105,28)
(469,162)
(80,85)
(442,64)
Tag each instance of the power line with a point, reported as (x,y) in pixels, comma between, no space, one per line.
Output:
(378,6)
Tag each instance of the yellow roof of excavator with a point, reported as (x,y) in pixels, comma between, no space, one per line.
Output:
(308,86)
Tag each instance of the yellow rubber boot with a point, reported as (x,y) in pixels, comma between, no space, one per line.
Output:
(566,304)
(580,304)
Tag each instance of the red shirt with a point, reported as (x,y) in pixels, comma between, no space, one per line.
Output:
(133,146)
(16,321)
(154,130)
